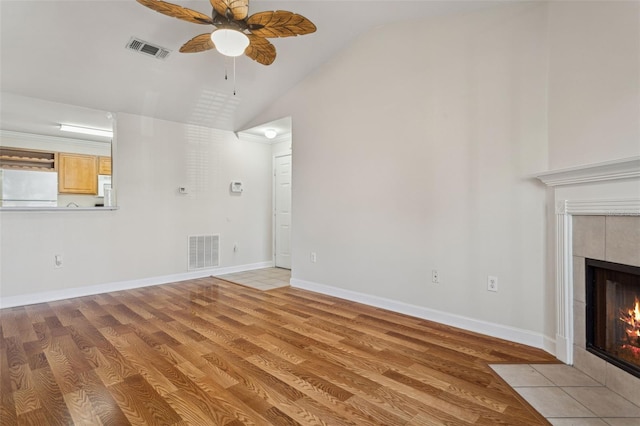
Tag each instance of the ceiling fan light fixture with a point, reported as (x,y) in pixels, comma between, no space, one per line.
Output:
(270,133)
(230,42)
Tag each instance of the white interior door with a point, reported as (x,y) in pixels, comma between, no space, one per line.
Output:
(282,211)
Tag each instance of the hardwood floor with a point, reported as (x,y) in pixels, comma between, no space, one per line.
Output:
(208,352)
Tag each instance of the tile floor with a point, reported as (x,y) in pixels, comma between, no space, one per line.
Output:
(566,396)
(261,279)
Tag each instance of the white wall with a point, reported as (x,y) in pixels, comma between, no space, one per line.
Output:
(594,101)
(594,82)
(413,156)
(147,236)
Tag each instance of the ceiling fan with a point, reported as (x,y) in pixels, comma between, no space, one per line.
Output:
(236,32)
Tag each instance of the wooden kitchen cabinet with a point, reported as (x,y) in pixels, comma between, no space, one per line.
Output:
(77,174)
(104,165)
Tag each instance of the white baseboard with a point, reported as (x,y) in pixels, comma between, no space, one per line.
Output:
(69,293)
(242,268)
(483,327)
(564,349)
(549,345)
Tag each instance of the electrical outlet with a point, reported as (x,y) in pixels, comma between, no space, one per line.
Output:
(313,257)
(435,277)
(57,261)
(235,247)
(492,283)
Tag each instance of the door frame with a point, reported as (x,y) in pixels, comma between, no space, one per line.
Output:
(273,202)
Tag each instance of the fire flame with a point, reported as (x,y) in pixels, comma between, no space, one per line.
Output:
(632,319)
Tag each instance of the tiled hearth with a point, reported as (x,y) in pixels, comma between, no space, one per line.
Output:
(568,397)
(614,239)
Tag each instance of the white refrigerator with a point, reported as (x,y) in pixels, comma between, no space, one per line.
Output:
(28,188)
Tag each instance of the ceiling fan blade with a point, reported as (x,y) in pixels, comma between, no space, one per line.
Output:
(260,50)
(232,9)
(279,24)
(199,43)
(176,11)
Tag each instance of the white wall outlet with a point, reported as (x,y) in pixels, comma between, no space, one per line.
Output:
(492,283)
(183,190)
(57,261)
(235,247)
(435,276)
(313,257)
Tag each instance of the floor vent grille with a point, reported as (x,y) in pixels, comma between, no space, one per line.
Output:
(148,49)
(204,251)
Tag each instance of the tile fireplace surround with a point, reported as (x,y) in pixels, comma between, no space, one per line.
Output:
(614,239)
(597,210)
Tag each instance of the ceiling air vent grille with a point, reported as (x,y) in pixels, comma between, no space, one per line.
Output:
(147,48)
(204,251)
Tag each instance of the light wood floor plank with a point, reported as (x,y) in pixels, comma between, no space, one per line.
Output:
(209,352)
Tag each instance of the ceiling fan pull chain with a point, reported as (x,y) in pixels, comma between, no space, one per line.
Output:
(234,76)
(225,68)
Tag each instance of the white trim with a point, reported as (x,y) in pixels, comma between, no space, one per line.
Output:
(50,296)
(549,345)
(273,208)
(58,209)
(609,170)
(30,137)
(621,169)
(491,329)
(626,207)
(564,260)
(243,268)
(273,200)
(564,348)
(248,137)
(564,285)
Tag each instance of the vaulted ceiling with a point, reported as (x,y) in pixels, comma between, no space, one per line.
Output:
(74,52)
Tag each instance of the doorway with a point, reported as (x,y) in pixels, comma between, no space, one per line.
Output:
(282,211)
(278,134)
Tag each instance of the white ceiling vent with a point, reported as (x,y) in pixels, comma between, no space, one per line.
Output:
(204,251)
(147,48)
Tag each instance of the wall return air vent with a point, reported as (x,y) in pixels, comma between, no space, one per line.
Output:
(204,251)
(148,49)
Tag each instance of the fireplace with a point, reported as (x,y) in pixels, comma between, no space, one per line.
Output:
(613,313)
(597,216)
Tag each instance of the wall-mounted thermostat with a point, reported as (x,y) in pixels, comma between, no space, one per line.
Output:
(236,186)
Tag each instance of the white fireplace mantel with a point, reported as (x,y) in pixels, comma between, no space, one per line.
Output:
(624,168)
(568,204)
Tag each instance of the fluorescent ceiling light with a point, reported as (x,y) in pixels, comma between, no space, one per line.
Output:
(86,130)
(270,133)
